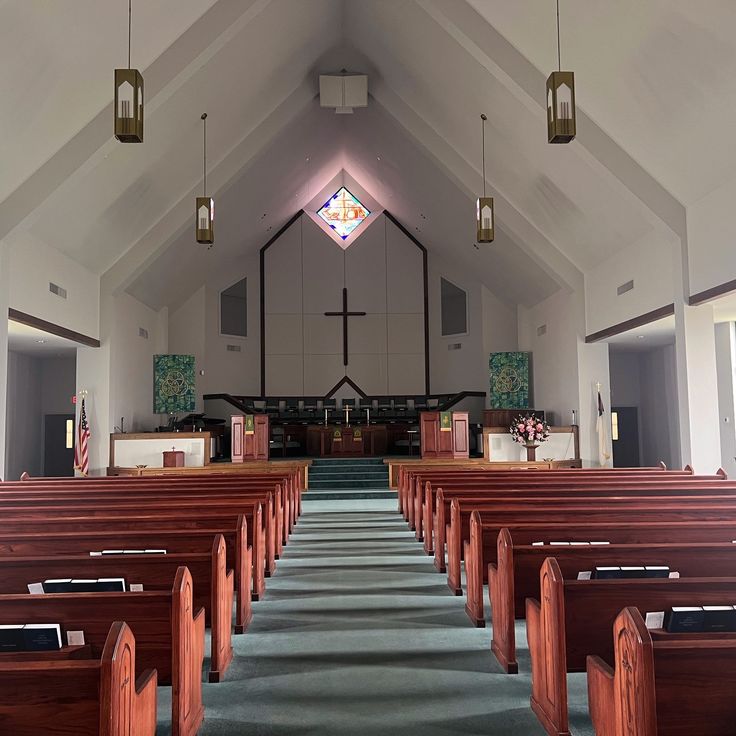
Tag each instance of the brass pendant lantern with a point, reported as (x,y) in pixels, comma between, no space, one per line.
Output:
(484,214)
(560,100)
(129,100)
(205,210)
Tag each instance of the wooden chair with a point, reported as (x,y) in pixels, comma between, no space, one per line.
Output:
(93,697)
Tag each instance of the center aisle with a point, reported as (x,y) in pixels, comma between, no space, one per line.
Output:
(358,634)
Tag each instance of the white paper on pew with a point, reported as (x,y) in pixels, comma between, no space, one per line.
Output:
(674,574)
(537,544)
(35,588)
(584,575)
(136,587)
(95,554)
(600,543)
(75,638)
(654,620)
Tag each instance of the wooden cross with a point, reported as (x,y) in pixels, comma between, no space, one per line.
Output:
(345,314)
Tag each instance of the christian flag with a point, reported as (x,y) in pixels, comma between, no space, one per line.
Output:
(81,453)
(600,427)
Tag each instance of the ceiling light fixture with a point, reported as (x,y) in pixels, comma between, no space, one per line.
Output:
(129,99)
(560,99)
(205,219)
(484,214)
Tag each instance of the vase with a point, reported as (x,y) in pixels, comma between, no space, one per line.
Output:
(531,451)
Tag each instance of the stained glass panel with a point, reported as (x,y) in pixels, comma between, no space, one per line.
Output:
(343,212)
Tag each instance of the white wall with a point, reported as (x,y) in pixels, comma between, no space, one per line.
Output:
(650,264)
(4,304)
(32,266)
(726,371)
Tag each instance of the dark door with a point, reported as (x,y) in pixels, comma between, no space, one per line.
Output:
(625,436)
(58,444)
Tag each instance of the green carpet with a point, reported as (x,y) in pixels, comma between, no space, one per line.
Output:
(358,634)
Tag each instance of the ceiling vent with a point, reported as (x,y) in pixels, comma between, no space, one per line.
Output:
(58,290)
(541,330)
(343,91)
(628,286)
(143,332)
(233,348)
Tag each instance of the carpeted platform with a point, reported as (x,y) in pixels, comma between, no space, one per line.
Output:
(358,634)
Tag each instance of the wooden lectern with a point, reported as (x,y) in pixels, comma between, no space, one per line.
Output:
(248,444)
(444,444)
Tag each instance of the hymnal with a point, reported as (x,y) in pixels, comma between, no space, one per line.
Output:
(112,551)
(559,544)
(683,619)
(11,637)
(42,637)
(719,618)
(133,551)
(657,571)
(607,573)
(110,585)
(633,571)
(58,585)
(155,551)
(600,543)
(83,586)
(579,544)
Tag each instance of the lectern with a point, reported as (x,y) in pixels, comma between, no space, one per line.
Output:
(444,435)
(249,437)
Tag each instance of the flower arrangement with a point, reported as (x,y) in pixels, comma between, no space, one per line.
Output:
(529,430)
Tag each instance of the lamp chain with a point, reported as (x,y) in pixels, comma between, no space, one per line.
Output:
(130,13)
(204,151)
(483,138)
(559,62)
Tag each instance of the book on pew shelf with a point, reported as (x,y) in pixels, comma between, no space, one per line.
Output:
(35,588)
(42,637)
(719,618)
(633,571)
(155,551)
(110,585)
(57,585)
(83,586)
(559,544)
(654,620)
(134,551)
(95,554)
(600,543)
(607,573)
(112,551)
(656,571)
(537,544)
(684,619)
(579,544)
(11,637)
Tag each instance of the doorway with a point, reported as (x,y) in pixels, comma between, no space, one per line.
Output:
(625,436)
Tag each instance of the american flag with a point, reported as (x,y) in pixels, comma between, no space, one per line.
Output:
(81,454)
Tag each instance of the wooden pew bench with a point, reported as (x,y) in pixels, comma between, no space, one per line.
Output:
(515,575)
(169,635)
(575,619)
(663,684)
(212,584)
(90,697)
(582,510)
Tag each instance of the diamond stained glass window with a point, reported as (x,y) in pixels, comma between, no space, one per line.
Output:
(343,212)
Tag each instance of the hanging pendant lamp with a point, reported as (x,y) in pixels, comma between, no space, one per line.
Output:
(205,215)
(484,215)
(129,99)
(560,99)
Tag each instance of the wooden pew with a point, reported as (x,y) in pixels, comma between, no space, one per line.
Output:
(212,584)
(93,697)
(81,535)
(575,619)
(169,635)
(663,684)
(500,513)
(515,575)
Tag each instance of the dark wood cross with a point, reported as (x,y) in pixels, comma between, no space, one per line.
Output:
(345,314)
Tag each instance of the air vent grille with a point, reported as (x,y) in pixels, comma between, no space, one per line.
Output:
(143,332)
(233,348)
(60,291)
(455,346)
(541,330)
(628,286)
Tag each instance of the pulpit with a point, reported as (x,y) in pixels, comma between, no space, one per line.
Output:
(444,435)
(249,437)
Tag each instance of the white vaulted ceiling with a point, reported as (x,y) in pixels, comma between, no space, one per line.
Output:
(433,65)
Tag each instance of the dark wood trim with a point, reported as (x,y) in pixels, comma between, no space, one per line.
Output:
(351,383)
(705,296)
(426,295)
(41,324)
(630,324)
(288,224)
